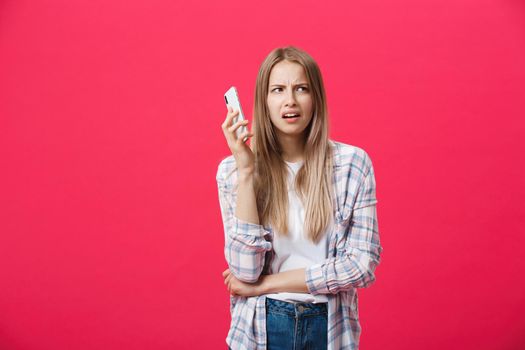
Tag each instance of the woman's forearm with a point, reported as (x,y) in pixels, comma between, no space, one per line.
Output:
(293,281)
(246,201)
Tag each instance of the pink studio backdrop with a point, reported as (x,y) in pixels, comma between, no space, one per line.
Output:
(110,113)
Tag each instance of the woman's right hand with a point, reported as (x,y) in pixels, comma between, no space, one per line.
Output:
(242,153)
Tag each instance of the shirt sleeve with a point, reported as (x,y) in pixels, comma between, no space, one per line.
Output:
(355,266)
(245,243)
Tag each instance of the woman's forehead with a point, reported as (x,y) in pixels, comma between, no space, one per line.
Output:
(287,72)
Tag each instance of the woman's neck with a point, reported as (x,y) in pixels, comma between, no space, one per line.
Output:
(292,148)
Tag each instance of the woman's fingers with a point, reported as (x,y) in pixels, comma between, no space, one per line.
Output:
(244,135)
(228,128)
(227,280)
(237,125)
(226,274)
(228,121)
(231,133)
(231,114)
(227,277)
(228,283)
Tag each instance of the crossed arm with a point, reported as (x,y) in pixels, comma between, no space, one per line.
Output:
(292,281)
(353,267)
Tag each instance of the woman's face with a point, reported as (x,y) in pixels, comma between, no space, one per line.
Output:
(289,100)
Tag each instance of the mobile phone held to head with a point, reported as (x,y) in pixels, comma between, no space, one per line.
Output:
(232,99)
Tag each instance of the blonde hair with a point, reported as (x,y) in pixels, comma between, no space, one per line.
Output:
(314,180)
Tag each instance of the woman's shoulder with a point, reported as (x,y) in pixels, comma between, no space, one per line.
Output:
(350,156)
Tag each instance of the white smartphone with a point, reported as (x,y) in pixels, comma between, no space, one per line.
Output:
(232,99)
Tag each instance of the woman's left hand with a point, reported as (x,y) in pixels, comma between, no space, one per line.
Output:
(240,288)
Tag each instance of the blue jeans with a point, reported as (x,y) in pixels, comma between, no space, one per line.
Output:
(296,326)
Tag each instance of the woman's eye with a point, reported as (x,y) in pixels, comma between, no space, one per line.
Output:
(300,88)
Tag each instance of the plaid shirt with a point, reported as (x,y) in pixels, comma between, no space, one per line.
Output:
(353,254)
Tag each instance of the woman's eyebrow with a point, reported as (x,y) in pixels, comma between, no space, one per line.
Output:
(279,85)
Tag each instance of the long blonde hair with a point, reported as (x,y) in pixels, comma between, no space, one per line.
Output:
(314,179)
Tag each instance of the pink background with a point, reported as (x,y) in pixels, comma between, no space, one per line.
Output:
(110,113)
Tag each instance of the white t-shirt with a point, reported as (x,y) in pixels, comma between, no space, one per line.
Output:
(296,250)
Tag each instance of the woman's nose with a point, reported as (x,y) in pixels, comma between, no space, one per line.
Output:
(290,99)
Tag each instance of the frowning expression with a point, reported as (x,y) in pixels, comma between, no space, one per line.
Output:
(289,99)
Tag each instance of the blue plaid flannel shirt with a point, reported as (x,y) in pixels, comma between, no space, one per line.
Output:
(354,252)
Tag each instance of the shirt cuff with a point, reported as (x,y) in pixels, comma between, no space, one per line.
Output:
(248,228)
(315,281)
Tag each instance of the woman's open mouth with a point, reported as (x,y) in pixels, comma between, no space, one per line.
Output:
(291,117)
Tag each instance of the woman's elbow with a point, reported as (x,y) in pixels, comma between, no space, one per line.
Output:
(245,265)
(248,274)
(367,270)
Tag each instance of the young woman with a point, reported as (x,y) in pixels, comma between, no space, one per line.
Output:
(299,214)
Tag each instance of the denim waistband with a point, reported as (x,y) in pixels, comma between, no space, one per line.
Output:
(295,309)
